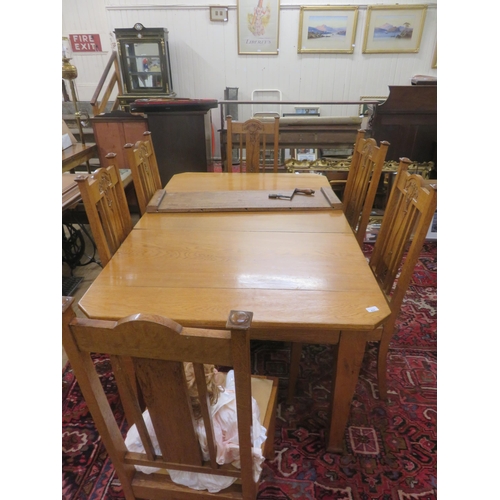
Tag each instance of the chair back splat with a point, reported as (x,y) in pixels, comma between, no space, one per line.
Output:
(159,349)
(252,139)
(405,224)
(362,182)
(106,207)
(407,217)
(145,174)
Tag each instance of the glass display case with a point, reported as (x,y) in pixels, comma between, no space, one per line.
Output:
(144,62)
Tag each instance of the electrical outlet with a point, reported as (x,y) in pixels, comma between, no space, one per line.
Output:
(218,13)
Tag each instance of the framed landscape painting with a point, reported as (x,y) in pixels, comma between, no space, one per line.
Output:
(327,29)
(393,29)
(258,26)
(306,154)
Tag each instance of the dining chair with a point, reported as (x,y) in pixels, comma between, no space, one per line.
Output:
(362,182)
(158,347)
(405,223)
(255,138)
(145,174)
(106,207)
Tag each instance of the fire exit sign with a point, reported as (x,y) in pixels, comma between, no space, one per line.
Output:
(85,43)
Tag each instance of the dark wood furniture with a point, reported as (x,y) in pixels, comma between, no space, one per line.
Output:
(182,141)
(181,130)
(408,121)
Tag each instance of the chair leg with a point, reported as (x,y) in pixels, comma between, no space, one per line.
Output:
(383,349)
(382,370)
(295,354)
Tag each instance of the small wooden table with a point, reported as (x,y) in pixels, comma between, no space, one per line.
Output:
(301,273)
(77,154)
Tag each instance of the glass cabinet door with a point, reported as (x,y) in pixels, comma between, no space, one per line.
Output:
(143,65)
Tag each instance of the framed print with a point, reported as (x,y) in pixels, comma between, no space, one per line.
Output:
(433,228)
(258,26)
(367,109)
(218,13)
(327,29)
(306,154)
(393,28)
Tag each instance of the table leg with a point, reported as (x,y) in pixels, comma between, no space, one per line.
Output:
(348,356)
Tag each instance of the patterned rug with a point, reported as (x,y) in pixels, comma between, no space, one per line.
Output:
(390,446)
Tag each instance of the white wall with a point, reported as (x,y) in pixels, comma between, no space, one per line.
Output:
(204,54)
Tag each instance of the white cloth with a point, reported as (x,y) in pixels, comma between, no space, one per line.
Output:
(226,439)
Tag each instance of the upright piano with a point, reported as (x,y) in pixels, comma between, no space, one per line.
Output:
(408,121)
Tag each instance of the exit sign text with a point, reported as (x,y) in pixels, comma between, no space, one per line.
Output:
(85,43)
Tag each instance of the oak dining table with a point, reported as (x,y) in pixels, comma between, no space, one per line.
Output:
(299,271)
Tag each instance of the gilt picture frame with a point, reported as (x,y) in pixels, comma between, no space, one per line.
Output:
(258,26)
(327,30)
(434,63)
(393,28)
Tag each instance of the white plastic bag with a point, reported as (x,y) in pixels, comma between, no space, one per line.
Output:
(226,439)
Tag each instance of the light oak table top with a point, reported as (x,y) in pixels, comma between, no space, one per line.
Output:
(301,273)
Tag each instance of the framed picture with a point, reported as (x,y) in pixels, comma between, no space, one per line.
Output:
(258,26)
(432,233)
(393,28)
(367,109)
(306,154)
(434,64)
(218,13)
(327,29)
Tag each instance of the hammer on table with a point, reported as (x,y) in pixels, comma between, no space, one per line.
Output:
(308,192)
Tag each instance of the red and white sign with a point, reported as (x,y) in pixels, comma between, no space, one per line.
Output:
(85,43)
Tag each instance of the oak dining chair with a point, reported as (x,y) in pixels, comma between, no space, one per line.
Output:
(145,174)
(406,221)
(362,182)
(158,347)
(106,207)
(255,140)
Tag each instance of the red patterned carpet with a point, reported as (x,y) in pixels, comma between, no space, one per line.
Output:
(390,446)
